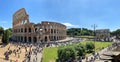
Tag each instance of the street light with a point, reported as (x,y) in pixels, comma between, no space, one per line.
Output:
(94,26)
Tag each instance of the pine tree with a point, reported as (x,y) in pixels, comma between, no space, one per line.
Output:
(5,37)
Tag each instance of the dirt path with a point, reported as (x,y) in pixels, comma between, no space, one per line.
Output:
(12,56)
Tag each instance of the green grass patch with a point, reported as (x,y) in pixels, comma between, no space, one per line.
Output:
(84,36)
(99,45)
(50,54)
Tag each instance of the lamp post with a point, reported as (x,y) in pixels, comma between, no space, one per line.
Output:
(94,26)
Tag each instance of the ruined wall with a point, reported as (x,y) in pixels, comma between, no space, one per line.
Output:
(25,31)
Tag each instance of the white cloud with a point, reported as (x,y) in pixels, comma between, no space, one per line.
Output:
(3,21)
(67,24)
(70,25)
(5,28)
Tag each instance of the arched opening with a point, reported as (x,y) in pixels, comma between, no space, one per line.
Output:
(25,30)
(21,38)
(35,29)
(51,38)
(54,31)
(54,38)
(25,39)
(18,38)
(29,29)
(34,39)
(45,38)
(51,31)
(45,30)
(21,29)
(29,39)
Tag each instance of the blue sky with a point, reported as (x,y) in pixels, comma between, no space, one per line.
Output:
(73,13)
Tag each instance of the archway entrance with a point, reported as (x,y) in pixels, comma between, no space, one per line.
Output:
(45,38)
(54,38)
(34,39)
(25,39)
(29,39)
(21,38)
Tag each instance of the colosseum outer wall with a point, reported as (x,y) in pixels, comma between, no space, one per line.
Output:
(25,31)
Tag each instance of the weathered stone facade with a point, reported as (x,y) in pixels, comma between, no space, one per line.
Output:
(25,31)
(103,34)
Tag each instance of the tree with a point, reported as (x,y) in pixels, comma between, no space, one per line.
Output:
(10,32)
(80,49)
(5,37)
(79,31)
(90,46)
(1,31)
(66,53)
(116,33)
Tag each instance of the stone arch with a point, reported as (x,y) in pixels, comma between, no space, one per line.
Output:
(25,30)
(45,30)
(34,39)
(35,29)
(46,39)
(25,39)
(29,39)
(21,29)
(30,30)
(54,37)
(21,38)
(51,30)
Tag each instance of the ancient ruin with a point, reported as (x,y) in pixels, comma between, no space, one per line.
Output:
(25,31)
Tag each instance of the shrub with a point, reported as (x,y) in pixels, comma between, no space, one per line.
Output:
(90,46)
(66,53)
(80,49)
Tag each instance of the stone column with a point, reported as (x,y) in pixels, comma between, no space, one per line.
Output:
(56,34)
(53,34)
(32,39)
(23,30)
(23,39)
(16,38)
(20,38)
(27,39)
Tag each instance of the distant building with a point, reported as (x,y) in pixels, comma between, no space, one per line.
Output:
(103,34)
(25,31)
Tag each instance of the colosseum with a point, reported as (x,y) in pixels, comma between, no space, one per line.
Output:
(25,31)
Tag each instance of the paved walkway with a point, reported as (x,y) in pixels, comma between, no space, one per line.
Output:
(39,56)
(100,53)
(36,58)
(107,49)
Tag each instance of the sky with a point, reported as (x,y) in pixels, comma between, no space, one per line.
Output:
(73,13)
